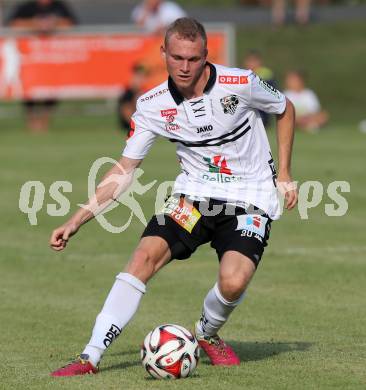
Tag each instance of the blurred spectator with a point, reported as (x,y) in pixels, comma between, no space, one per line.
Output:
(254,61)
(309,115)
(155,15)
(302,11)
(42,17)
(1,14)
(11,58)
(127,101)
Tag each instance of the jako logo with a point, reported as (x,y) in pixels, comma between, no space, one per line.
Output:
(233,79)
(203,129)
(217,164)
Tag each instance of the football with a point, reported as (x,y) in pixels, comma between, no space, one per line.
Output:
(170,352)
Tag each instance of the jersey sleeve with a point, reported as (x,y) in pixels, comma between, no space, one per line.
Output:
(265,97)
(140,138)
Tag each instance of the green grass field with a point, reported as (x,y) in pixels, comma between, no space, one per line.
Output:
(302,325)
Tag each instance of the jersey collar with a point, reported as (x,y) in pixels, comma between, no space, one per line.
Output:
(178,97)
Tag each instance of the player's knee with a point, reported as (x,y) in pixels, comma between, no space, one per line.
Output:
(141,263)
(231,288)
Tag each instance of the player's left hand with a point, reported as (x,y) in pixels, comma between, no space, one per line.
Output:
(288,188)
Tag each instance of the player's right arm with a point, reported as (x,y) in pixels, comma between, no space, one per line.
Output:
(114,183)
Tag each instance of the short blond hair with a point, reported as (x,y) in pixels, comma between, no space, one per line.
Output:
(186,28)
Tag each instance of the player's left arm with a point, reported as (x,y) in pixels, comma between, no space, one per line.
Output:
(285,139)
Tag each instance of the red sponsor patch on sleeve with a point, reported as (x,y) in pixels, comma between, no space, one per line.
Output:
(132,129)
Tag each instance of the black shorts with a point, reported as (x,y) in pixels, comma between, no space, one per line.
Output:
(186,224)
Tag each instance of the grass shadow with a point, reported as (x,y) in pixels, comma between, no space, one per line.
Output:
(247,351)
(258,350)
(131,352)
(121,366)
(130,355)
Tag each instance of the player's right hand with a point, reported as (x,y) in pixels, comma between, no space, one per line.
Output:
(61,235)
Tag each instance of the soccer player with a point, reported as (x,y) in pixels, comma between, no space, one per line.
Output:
(226,193)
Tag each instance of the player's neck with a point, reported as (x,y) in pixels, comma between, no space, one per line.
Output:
(197,89)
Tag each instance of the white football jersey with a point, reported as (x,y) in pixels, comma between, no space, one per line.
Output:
(220,139)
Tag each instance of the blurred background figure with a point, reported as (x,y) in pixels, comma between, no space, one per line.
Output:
(309,115)
(127,101)
(253,60)
(155,15)
(1,13)
(10,80)
(42,17)
(302,11)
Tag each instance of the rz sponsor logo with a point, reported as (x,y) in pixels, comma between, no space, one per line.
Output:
(233,79)
(112,334)
(198,110)
(229,104)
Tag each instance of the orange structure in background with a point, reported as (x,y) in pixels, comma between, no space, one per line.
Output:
(84,65)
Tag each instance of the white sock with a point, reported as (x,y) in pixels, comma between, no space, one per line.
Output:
(119,307)
(216,311)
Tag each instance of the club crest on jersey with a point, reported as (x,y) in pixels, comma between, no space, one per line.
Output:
(169,116)
(229,104)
